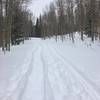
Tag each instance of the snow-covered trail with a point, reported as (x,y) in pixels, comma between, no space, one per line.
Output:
(67,82)
(38,86)
(46,70)
(34,88)
(55,77)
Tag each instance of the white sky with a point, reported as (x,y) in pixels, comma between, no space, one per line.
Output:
(37,6)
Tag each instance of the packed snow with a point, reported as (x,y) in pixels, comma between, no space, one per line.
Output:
(49,70)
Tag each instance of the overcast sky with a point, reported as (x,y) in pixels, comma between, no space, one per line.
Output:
(37,6)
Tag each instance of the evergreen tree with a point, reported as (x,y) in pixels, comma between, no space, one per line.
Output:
(37,28)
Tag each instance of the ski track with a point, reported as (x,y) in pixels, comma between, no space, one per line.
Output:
(38,80)
(49,75)
(87,90)
(34,88)
(27,75)
(17,83)
(17,91)
(55,77)
(74,67)
(48,91)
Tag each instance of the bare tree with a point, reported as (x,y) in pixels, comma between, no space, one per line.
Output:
(61,18)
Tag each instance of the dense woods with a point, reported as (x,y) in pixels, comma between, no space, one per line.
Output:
(60,18)
(15,22)
(68,16)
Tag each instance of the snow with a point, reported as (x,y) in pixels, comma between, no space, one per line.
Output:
(50,70)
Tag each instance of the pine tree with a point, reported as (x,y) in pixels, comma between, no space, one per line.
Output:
(37,28)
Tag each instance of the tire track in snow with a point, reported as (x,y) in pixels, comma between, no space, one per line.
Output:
(88,88)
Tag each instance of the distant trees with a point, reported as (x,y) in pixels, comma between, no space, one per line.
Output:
(61,18)
(48,22)
(38,28)
(93,16)
(80,17)
(15,22)
(68,16)
(1,22)
(70,19)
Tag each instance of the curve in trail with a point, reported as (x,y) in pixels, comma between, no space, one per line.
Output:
(90,92)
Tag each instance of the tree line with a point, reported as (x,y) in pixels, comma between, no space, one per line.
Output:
(69,16)
(15,22)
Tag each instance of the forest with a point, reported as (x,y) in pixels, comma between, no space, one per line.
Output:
(69,16)
(61,17)
(50,54)
(15,22)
